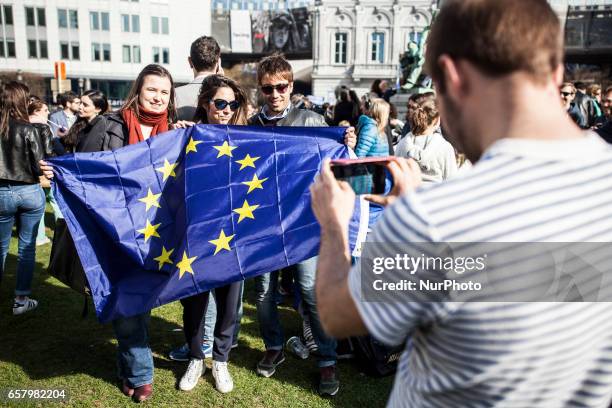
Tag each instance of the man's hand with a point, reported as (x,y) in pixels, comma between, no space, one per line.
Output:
(46,169)
(181,124)
(406,178)
(333,201)
(350,137)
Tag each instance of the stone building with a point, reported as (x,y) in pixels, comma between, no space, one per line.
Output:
(356,42)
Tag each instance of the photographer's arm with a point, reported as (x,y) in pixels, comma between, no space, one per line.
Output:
(333,204)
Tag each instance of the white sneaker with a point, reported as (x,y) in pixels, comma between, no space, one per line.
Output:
(223,379)
(195,370)
(22,306)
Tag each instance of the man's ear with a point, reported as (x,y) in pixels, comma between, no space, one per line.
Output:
(558,74)
(190,63)
(454,82)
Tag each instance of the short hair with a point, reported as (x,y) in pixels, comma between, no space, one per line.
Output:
(568,84)
(274,65)
(593,89)
(608,90)
(204,53)
(69,97)
(580,85)
(499,37)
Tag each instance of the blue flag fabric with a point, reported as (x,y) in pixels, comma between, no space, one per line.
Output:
(193,209)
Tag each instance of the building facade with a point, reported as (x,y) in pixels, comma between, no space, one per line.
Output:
(356,42)
(104,43)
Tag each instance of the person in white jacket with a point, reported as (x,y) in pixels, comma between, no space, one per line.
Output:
(424,144)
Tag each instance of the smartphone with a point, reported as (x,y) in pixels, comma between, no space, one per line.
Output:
(365,176)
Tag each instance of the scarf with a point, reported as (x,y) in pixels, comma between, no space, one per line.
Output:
(159,121)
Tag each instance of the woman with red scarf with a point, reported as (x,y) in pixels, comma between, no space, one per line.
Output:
(148,111)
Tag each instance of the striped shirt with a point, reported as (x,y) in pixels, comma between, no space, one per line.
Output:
(473,354)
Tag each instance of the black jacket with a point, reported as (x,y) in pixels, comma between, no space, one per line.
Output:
(91,138)
(295,117)
(117,133)
(606,131)
(586,105)
(21,148)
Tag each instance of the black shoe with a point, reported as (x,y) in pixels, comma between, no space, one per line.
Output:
(271,359)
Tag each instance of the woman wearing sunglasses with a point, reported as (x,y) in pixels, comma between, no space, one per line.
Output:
(221,102)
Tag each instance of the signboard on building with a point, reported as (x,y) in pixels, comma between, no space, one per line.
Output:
(240,21)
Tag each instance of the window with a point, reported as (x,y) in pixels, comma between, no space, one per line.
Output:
(70,51)
(42,21)
(62,18)
(106,52)
(2,54)
(8,15)
(156,55)
(135,23)
(378,47)
(95,52)
(94,19)
(74,18)
(136,54)
(105,21)
(127,53)
(165,26)
(30,16)
(44,51)
(32,51)
(10,48)
(76,51)
(64,50)
(155,25)
(340,48)
(125,23)
(166,55)
(99,20)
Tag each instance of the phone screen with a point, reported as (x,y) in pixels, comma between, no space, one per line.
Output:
(364,178)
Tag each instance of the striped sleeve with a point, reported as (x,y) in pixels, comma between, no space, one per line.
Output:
(391,316)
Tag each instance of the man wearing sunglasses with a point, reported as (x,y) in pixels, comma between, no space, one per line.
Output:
(568,94)
(275,80)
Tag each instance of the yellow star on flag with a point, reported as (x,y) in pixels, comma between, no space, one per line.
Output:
(184,266)
(191,146)
(167,169)
(222,242)
(151,200)
(225,149)
(164,257)
(255,183)
(150,231)
(246,211)
(248,161)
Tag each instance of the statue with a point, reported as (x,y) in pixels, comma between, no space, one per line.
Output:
(412,61)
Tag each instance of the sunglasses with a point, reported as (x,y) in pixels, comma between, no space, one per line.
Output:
(221,104)
(268,89)
(567,94)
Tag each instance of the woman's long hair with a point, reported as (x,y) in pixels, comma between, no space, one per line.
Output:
(379,111)
(99,101)
(209,88)
(14,99)
(132,98)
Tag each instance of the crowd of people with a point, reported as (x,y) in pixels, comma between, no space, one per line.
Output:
(455,135)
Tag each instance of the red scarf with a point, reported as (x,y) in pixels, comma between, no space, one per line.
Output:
(158,120)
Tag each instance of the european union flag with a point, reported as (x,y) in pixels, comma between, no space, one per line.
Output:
(193,209)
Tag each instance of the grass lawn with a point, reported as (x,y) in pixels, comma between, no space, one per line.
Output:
(53,347)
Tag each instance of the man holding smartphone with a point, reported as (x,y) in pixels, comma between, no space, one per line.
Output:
(497,66)
(275,80)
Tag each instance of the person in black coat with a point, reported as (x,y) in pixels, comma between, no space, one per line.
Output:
(88,134)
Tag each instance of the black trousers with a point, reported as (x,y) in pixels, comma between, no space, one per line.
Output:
(194,309)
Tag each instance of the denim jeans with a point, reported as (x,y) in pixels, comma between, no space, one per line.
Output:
(134,357)
(266,287)
(56,214)
(210,318)
(24,203)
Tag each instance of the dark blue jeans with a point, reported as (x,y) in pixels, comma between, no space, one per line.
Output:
(24,203)
(266,287)
(134,358)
